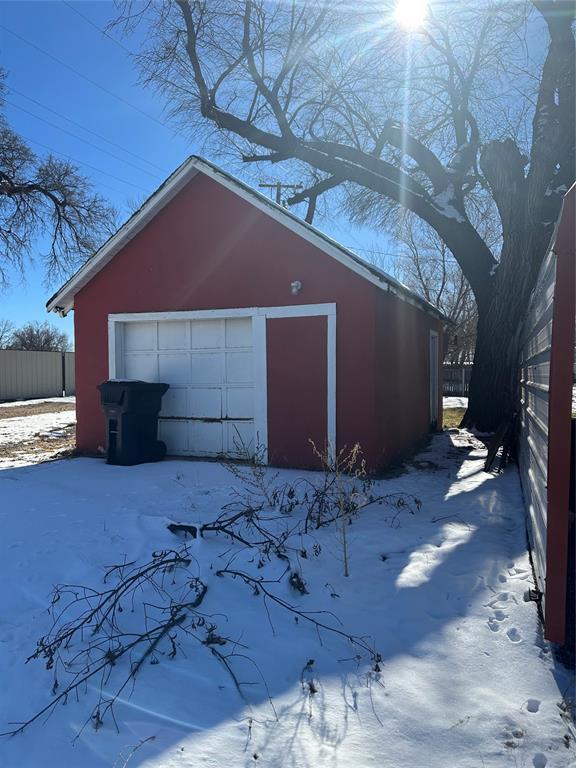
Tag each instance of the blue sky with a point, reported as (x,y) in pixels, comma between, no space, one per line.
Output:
(65,76)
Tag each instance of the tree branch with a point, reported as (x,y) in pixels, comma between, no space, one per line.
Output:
(395,134)
(315,191)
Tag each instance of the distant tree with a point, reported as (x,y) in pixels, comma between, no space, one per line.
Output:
(6,329)
(426,265)
(40,337)
(45,196)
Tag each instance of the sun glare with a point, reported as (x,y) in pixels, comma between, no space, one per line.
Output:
(410,14)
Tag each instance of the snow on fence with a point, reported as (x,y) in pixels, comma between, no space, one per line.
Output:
(25,375)
(545,422)
(457,379)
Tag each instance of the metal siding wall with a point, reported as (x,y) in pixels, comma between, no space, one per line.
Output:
(25,375)
(535,386)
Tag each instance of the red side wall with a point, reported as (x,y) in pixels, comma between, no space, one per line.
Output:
(403,375)
(209,249)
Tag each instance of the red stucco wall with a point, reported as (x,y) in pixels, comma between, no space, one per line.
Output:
(209,249)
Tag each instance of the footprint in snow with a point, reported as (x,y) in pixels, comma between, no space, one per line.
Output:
(533,705)
(501,597)
(500,615)
(513,635)
(539,760)
(520,574)
(493,624)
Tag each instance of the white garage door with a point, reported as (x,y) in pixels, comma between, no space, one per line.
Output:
(209,408)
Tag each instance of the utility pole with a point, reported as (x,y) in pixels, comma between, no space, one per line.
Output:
(278,186)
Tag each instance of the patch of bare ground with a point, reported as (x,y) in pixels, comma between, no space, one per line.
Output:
(16,411)
(453,417)
(55,444)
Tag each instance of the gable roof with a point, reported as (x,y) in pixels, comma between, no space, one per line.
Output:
(63,300)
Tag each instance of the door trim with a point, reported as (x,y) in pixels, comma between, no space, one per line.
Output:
(259,315)
(434,376)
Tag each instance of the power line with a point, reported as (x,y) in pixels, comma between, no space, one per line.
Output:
(86,141)
(88,130)
(88,20)
(84,77)
(83,162)
(371,250)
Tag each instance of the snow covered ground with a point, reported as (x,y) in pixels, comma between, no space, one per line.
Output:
(31,432)
(58,400)
(462,402)
(22,428)
(455,402)
(466,679)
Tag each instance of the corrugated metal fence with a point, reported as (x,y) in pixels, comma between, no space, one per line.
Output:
(544,440)
(25,375)
(535,388)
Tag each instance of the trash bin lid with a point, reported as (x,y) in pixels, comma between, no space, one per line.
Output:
(113,391)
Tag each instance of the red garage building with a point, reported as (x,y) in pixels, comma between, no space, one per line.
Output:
(268,332)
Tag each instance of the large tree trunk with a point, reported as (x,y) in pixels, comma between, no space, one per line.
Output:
(494,386)
(493,395)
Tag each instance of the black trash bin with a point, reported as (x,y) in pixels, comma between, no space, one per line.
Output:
(132,409)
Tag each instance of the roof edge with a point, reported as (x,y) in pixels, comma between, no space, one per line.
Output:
(63,300)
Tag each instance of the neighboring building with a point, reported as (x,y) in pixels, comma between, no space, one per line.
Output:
(267,331)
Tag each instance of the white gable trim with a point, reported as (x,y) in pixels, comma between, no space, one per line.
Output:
(63,301)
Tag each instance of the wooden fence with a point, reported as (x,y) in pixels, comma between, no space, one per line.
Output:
(457,379)
(545,424)
(27,375)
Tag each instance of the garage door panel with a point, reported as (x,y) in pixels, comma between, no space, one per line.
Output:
(205,437)
(240,403)
(173,335)
(209,407)
(175,402)
(174,368)
(174,434)
(239,438)
(239,332)
(205,403)
(207,334)
(239,367)
(140,336)
(141,367)
(207,368)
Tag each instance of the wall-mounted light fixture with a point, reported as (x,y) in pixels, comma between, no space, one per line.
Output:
(296,287)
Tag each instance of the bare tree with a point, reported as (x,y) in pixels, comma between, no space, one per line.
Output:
(40,337)
(6,328)
(425,265)
(46,196)
(477,105)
